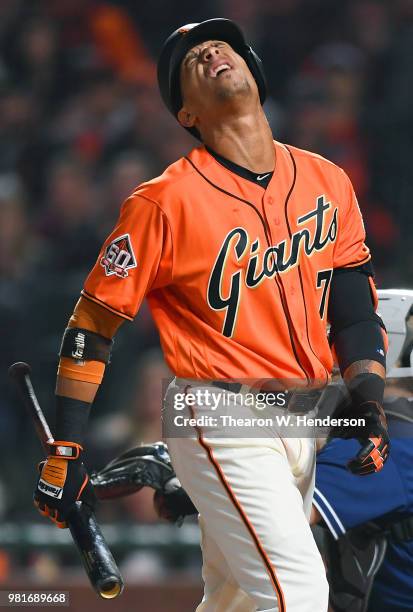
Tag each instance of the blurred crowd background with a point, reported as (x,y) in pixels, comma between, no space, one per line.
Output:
(82,123)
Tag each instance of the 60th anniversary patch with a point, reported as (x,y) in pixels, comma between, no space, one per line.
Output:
(119,257)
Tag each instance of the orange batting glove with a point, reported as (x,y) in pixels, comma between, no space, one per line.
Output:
(373,437)
(63,480)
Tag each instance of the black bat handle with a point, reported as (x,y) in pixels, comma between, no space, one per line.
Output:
(20,373)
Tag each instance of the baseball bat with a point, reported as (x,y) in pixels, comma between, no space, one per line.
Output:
(97,559)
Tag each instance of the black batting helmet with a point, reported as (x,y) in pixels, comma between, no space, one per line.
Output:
(182,40)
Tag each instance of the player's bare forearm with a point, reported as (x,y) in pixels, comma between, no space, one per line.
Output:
(76,389)
(363,366)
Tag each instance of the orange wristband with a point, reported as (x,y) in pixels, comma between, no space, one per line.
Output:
(85,371)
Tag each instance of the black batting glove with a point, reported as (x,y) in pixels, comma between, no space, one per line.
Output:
(63,480)
(373,437)
(173,503)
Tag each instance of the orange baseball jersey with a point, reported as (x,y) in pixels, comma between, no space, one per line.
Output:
(237,277)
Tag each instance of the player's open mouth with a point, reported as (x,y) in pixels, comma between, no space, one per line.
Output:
(218,68)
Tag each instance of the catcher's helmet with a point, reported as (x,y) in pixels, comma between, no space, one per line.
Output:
(396,309)
(182,40)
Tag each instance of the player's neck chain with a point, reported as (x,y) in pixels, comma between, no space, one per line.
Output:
(275,259)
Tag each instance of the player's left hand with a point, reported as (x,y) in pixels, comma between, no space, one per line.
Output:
(373,437)
(173,505)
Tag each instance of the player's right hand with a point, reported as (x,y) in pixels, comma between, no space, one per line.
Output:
(373,437)
(63,480)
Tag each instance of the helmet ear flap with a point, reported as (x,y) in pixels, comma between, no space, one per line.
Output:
(254,63)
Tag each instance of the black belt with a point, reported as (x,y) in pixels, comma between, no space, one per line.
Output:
(298,402)
(228,386)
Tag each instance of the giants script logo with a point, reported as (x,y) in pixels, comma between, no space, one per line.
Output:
(275,259)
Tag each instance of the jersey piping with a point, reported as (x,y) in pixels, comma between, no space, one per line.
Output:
(298,266)
(92,298)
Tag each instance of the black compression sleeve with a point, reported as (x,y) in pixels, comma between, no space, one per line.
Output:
(358,342)
(72,417)
(356,330)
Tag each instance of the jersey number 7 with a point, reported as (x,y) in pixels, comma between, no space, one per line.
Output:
(323,280)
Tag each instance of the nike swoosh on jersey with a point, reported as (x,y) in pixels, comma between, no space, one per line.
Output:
(263,176)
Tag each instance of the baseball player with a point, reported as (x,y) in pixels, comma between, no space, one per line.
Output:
(245,249)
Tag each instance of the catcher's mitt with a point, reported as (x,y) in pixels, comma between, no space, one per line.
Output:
(142,466)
